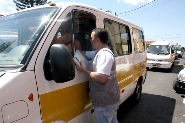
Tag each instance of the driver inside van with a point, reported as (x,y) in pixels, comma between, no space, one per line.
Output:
(67,40)
(64,35)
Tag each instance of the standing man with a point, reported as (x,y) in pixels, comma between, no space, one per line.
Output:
(104,90)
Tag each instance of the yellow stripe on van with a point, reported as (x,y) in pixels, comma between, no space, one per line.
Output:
(65,104)
(124,78)
(131,74)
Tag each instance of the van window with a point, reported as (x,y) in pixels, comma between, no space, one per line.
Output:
(20,32)
(159,49)
(177,49)
(84,23)
(138,38)
(64,33)
(119,37)
(125,39)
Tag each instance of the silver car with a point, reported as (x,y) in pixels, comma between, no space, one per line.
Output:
(179,82)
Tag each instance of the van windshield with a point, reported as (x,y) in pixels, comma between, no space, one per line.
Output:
(177,48)
(19,33)
(159,49)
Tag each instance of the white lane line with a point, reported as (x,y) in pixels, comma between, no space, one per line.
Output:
(184,100)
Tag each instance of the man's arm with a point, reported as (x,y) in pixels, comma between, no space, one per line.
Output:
(101,78)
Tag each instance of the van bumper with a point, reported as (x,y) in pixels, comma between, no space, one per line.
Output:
(159,64)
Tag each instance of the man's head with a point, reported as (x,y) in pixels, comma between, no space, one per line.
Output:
(102,34)
(99,36)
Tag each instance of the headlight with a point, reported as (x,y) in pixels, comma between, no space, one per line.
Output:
(181,77)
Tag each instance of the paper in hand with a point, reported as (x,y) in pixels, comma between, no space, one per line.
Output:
(78,57)
(77,62)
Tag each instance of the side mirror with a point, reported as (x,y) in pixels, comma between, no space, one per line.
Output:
(62,64)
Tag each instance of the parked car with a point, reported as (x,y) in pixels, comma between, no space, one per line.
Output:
(179,82)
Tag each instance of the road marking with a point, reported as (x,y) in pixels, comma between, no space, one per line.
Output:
(184,100)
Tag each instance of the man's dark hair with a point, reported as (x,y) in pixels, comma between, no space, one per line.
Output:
(102,34)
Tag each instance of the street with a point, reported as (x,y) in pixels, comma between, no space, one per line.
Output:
(159,102)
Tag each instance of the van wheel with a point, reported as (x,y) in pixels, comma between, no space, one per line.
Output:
(137,93)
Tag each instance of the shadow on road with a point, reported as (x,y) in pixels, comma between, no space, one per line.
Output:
(150,109)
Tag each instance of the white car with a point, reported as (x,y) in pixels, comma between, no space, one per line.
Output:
(179,82)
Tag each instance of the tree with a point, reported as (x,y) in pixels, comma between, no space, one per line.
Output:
(108,11)
(23,4)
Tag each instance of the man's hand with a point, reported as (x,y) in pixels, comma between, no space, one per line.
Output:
(80,67)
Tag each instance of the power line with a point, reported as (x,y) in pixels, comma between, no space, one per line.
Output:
(166,37)
(140,7)
(173,27)
(152,7)
(169,36)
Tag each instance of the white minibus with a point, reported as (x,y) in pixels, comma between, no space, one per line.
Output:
(160,54)
(39,82)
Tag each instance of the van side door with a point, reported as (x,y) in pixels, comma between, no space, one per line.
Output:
(68,101)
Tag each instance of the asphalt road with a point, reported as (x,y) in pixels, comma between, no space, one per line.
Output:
(159,102)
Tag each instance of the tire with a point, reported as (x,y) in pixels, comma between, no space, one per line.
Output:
(169,69)
(175,84)
(137,93)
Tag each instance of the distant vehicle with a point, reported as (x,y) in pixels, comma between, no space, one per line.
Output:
(179,82)
(176,54)
(160,54)
(179,52)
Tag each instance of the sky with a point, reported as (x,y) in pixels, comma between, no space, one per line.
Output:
(161,20)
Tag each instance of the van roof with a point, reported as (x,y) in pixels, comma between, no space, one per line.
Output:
(161,43)
(67,4)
